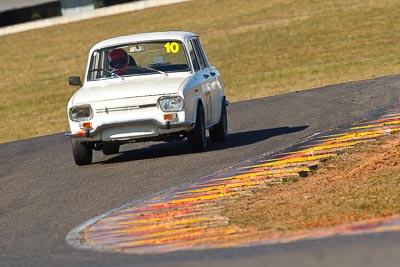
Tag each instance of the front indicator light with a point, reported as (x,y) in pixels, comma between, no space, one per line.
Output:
(170,116)
(86,125)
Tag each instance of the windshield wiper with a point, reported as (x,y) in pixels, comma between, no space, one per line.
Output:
(159,71)
(109,71)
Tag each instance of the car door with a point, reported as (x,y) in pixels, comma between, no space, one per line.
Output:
(203,73)
(215,88)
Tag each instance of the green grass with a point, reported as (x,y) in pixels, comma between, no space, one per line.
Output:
(262,47)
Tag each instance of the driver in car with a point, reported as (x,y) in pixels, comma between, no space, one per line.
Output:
(118,60)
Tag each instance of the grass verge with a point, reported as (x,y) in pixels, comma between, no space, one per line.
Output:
(360,184)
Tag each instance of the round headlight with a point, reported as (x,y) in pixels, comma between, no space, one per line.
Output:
(173,103)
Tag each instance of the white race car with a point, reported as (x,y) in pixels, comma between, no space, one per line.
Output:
(143,87)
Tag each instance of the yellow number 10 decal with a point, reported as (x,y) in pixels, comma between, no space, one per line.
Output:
(171,47)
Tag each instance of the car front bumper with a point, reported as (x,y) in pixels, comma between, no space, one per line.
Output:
(130,130)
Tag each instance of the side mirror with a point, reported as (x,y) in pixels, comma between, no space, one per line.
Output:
(74,80)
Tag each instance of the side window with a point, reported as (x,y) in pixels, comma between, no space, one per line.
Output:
(95,66)
(199,53)
(193,56)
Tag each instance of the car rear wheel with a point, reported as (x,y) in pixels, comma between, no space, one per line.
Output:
(110,149)
(82,153)
(197,136)
(219,132)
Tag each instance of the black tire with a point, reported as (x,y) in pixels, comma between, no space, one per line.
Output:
(110,148)
(219,132)
(82,153)
(197,136)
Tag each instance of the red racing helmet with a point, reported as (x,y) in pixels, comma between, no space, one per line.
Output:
(118,58)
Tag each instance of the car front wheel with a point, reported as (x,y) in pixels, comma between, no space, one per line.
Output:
(82,153)
(197,136)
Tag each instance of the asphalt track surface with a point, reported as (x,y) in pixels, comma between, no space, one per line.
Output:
(43,195)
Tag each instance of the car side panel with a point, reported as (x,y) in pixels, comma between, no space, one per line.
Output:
(192,92)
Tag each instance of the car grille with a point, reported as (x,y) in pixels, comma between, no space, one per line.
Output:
(121,109)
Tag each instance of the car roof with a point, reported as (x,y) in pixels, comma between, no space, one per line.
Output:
(143,37)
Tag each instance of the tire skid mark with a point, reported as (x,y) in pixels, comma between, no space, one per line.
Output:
(189,217)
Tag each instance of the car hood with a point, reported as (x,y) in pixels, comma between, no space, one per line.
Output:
(128,88)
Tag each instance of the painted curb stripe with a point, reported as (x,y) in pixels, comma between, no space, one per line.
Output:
(189,217)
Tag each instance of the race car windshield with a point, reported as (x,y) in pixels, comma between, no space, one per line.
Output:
(138,59)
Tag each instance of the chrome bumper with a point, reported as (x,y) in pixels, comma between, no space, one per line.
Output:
(99,129)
